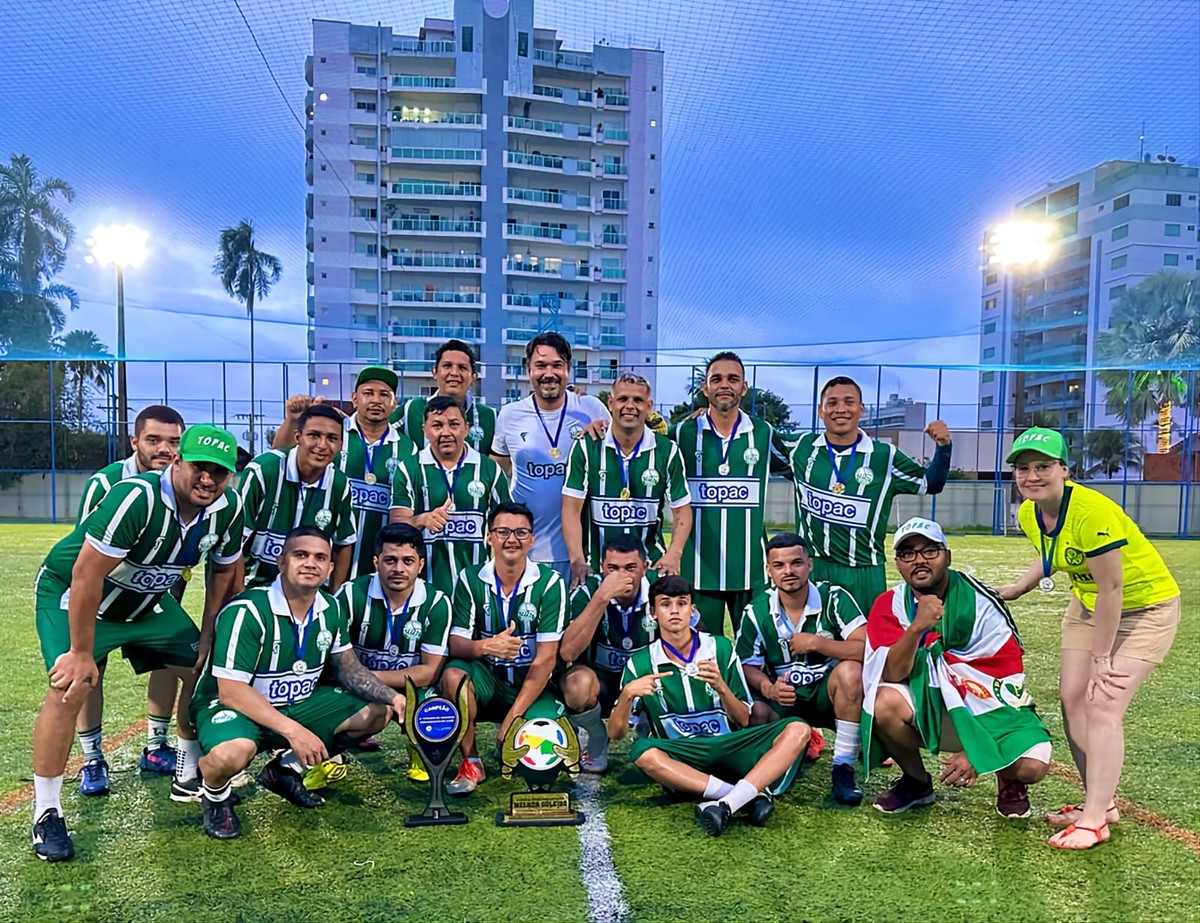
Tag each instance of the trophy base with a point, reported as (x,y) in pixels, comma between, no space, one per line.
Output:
(539,809)
(435,818)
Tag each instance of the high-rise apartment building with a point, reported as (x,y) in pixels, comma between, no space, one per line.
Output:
(478,180)
(1116,224)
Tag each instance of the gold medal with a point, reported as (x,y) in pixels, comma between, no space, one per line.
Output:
(187,573)
(624,493)
(839,488)
(370,478)
(555,453)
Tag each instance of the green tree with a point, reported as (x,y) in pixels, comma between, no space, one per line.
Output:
(87,365)
(34,238)
(1154,332)
(1110,450)
(248,275)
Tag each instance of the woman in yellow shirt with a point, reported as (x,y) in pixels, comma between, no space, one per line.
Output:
(1121,620)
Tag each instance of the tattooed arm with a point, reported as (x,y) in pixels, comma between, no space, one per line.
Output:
(354,677)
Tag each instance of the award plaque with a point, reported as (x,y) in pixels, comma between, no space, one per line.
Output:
(537,750)
(435,727)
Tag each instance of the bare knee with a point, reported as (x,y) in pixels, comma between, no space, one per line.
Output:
(581,689)
(795,736)
(231,756)
(451,679)
(651,760)
(375,717)
(845,683)
(1029,770)
(891,707)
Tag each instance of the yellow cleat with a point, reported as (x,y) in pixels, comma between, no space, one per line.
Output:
(416,769)
(321,775)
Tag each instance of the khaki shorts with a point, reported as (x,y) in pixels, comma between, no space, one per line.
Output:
(1144,634)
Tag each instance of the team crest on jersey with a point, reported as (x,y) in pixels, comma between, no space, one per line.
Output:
(207,543)
(1011,691)
(275,648)
(476,489)
(412,630)
(324,642)
(1073,556)
(650,478)
(576,430)
(751,456)
(392,464)
(526,613)
(475,434)
(323,518)
(864,476)
(649,623)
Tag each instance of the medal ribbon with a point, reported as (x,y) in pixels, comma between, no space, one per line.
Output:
(691,653)
(626,462)
(301,634)
(833,461)
(395,623)
(727,444)
(1047,556)
(369,448)
(626,615)
(561,417)
(189,554)
(451,480)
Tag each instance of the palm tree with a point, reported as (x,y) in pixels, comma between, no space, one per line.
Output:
(1110,450)
(246,274)
(87,363)
(34,238)
(1153,333)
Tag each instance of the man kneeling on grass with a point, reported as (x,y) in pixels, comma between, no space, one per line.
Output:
(690,688)
(259,688)
(944,671)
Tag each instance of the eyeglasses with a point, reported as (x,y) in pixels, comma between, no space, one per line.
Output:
(1040,469)
(520,535)
(908,555)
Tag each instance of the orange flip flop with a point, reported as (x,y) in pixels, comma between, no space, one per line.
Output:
(1099,834)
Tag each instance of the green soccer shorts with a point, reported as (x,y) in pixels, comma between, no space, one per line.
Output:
(163,637)
(864,584)
(729,755)
(711,604)
(323,712)
(494,697)
(812,705)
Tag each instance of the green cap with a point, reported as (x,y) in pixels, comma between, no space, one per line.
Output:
(1041,440)
(378,373)
(207,443)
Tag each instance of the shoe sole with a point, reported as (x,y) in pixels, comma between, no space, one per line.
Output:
(1028,812)
(918,803)
(708,825)
(99,794)
(45,858)
(849,802)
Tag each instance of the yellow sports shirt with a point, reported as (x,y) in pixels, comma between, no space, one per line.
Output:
(1090,524)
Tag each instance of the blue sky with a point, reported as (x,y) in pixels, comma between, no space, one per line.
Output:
(828,165)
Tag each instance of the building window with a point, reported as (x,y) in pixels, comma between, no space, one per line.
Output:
(986,401)
(987,377)
(1174,198)
(363,176)
(1118,262)
(985,424)
(523,44)
(990,352)
(1116,291)
(652,156)
(468,38)
(1170,259)
(989,327)
(1120,233)
(1121,201)
(654,123)
(991,278)
(365,350)
(989,304)
(1171,230)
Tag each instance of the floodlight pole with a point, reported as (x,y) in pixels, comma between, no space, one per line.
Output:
(122,390)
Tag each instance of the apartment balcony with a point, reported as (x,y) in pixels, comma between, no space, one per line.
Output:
(1069,401)
(548,301)
(542,163)
(1054,322)
(613,309)
(613,136)
(551,268)
(415,118)
(612,101)
(420,83)
(514,369)
(1053,295)
(462,192)
(1046,378)
(614,239)
(606,373)
(439,262)
(613,273)
(614,206)
(566,236)
(616,170)
(440,332)
(568,96)
(454,156)
(612,341)
(414,367)
(547,198)
(563,60)
(438,227)
(423,296)
(419,48)
(516,336)
(1055,354)
(567,131)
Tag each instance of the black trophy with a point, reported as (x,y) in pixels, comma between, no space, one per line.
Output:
(435,727)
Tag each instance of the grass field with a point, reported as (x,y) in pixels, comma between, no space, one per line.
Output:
(143,857)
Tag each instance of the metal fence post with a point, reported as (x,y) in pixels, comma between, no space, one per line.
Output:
(937,416)
(53,446)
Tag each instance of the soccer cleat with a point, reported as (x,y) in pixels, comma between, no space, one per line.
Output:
(714,817)
(470,774)
(1012,798)
(93,777)
(51,841)
(760,809)
(845,786)
(190,791)
(220,820)
(333,769)
(905,794)
(159,759)
(416,769)
(368,744)
(816,743)
(287,784)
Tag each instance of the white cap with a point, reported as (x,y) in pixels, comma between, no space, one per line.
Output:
(919,526)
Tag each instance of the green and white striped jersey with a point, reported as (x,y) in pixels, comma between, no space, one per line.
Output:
(275,502)
(100,483)
(686,706)
(849,527)
(387,639)
(765,630)
(480,418)
(620,631)
(370,500)
(257,642)
(596,473)
(421,484)
(537,607)
(137,521)
(725,550)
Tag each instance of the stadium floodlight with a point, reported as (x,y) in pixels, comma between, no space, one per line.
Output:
(120,245)
(1021,243)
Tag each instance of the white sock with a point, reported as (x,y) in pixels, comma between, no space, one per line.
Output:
(91,742)
(187,761)
(739,796)
(716,788)
(47,791)
(591,723)
(157,728)
(289,760)
(845,742)
(217,794)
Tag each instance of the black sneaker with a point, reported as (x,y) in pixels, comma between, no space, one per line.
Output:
(50,838)
(760,809)
(845,786)
(905,794)
(220,821)
(714,818)
(289,785)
